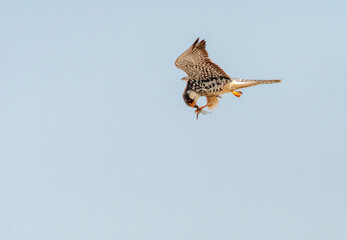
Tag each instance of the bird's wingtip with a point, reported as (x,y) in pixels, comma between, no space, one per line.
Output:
(196,41)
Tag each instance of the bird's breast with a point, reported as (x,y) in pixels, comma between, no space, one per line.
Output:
(208,87)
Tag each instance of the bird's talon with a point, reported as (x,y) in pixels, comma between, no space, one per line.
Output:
(237,93)
(199,110)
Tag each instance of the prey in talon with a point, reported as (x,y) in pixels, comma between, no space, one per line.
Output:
(207,79)
(199,110)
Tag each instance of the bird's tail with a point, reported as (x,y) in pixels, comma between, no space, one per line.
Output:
(243,83)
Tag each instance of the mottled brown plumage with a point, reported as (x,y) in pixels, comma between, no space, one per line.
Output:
(196,63)
(207,79)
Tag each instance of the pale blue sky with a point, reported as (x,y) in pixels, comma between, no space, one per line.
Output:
(97,143)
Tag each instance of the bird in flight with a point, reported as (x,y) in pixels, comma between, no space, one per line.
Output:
(207,79)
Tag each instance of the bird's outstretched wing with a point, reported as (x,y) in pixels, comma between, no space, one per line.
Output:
(196,63)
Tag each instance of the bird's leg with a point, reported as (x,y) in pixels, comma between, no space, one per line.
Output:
(199,110)
(237,93)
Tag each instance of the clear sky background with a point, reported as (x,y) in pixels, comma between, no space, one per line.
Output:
(97,143)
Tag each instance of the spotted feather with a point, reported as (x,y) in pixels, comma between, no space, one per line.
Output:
(197,64)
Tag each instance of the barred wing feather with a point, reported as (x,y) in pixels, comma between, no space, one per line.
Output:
(196,63)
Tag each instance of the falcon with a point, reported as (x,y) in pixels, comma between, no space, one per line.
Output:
(207,79)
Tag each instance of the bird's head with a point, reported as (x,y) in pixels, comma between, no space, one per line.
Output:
(190,98)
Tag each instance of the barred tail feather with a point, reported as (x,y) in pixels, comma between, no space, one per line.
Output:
(243,83)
